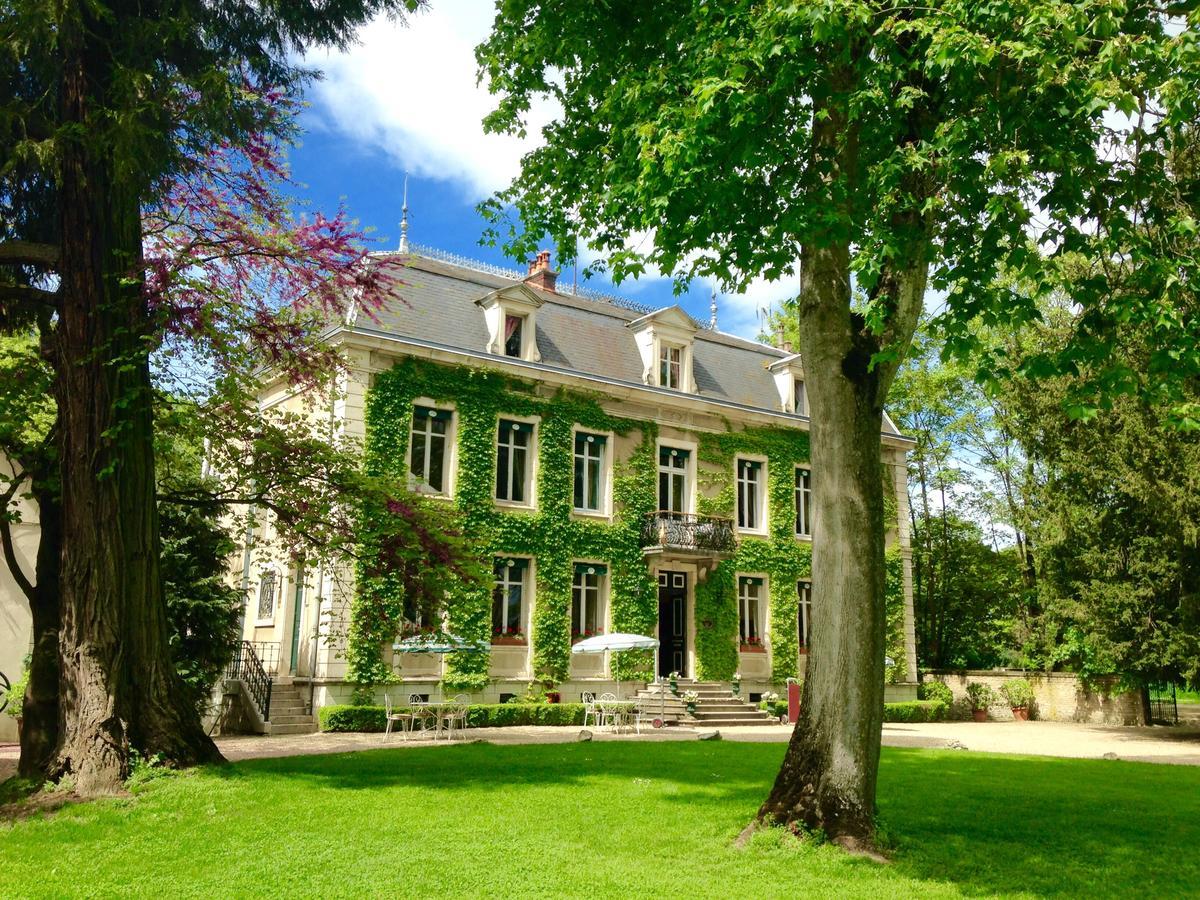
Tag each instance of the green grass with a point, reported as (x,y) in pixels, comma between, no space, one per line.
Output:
(611,819)
(1182,695)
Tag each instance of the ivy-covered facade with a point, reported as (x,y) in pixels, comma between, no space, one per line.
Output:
(633,490)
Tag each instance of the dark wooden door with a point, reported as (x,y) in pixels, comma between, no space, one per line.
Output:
(672,623)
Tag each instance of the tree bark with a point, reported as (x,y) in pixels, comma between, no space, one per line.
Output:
(828,776)
(119,690)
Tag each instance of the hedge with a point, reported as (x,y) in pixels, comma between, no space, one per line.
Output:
(492,715)
(915,711)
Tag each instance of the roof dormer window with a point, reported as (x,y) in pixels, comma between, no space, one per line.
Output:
(664,340)
(789,381)
(511,317)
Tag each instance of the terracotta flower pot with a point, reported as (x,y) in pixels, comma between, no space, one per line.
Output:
(553,697)
(1021,713)
(979,715)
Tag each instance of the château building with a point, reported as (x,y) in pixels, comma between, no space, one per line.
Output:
(619,468)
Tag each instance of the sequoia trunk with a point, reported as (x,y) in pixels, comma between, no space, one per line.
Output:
(119,689)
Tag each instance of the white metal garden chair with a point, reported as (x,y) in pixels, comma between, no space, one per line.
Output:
(421,714)
(403,719)
(589,709)
(608,709)
(456,714)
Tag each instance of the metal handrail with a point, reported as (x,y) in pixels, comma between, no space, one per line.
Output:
(247,668)
(688,531)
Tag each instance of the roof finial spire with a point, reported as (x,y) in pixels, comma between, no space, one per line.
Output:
(712,311)
(404,218)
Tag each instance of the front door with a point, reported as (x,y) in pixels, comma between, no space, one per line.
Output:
(672,623)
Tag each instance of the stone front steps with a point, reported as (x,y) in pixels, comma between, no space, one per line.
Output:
(289,712)
(716,705)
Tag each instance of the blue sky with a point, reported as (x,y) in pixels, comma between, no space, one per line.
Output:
(405,99)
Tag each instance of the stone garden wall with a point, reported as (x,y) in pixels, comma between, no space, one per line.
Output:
(1059,697)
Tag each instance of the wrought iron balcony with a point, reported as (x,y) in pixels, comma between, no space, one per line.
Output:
(689,534)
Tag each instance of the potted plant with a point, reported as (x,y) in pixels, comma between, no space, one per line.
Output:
(737,684)
(1019,694)
(674,677)
(690,699)
(552,696)
(980,696)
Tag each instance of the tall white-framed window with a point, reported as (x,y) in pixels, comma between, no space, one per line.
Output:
(509,596)
(591,451)
(587,600)
(799,397)
(429,446)
(514,461)
(674,465)
(750,611)
(268,593)
(804,614)
(670,366)
(751,494)
(803,502)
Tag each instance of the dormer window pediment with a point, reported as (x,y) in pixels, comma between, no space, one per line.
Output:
(511,317)
(665,339)
(789,381)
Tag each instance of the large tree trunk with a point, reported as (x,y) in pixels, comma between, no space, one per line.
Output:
(827,780)
(119,688)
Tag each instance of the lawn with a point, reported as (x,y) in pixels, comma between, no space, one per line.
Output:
(611,819)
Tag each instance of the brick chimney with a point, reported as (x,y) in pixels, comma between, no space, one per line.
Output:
(540,274)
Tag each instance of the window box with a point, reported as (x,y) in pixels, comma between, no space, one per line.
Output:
(509,640)
(751,648)
(577,636)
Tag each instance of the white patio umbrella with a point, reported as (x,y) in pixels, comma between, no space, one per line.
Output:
(602,643)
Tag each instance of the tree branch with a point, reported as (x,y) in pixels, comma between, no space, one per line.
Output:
(10,553)
(28,253)
(31,295)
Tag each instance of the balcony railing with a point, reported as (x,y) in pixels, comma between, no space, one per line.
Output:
(705,535)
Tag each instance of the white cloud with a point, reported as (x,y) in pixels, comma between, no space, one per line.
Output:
(411,91)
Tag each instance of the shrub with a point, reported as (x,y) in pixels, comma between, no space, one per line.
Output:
(981,695)
(936,690)
(774,705)
(1017,692)
(915,711)
(16,692)
(483,715)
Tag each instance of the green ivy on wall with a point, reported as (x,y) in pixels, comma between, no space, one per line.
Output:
(549,534)
(555,538)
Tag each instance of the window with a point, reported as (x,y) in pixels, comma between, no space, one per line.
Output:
(803,502)
(508,598)
(750,494)
(804,596)
(514,334)
(750,591)
(587,618)
(589,472)
(513,444)
(672,479)
(799,398)
(670,366)
(429,447)
(268,587)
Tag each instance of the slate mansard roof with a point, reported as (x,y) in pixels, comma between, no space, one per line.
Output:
(575,334)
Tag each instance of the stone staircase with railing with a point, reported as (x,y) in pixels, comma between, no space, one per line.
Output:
(289,712)
(716,705)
